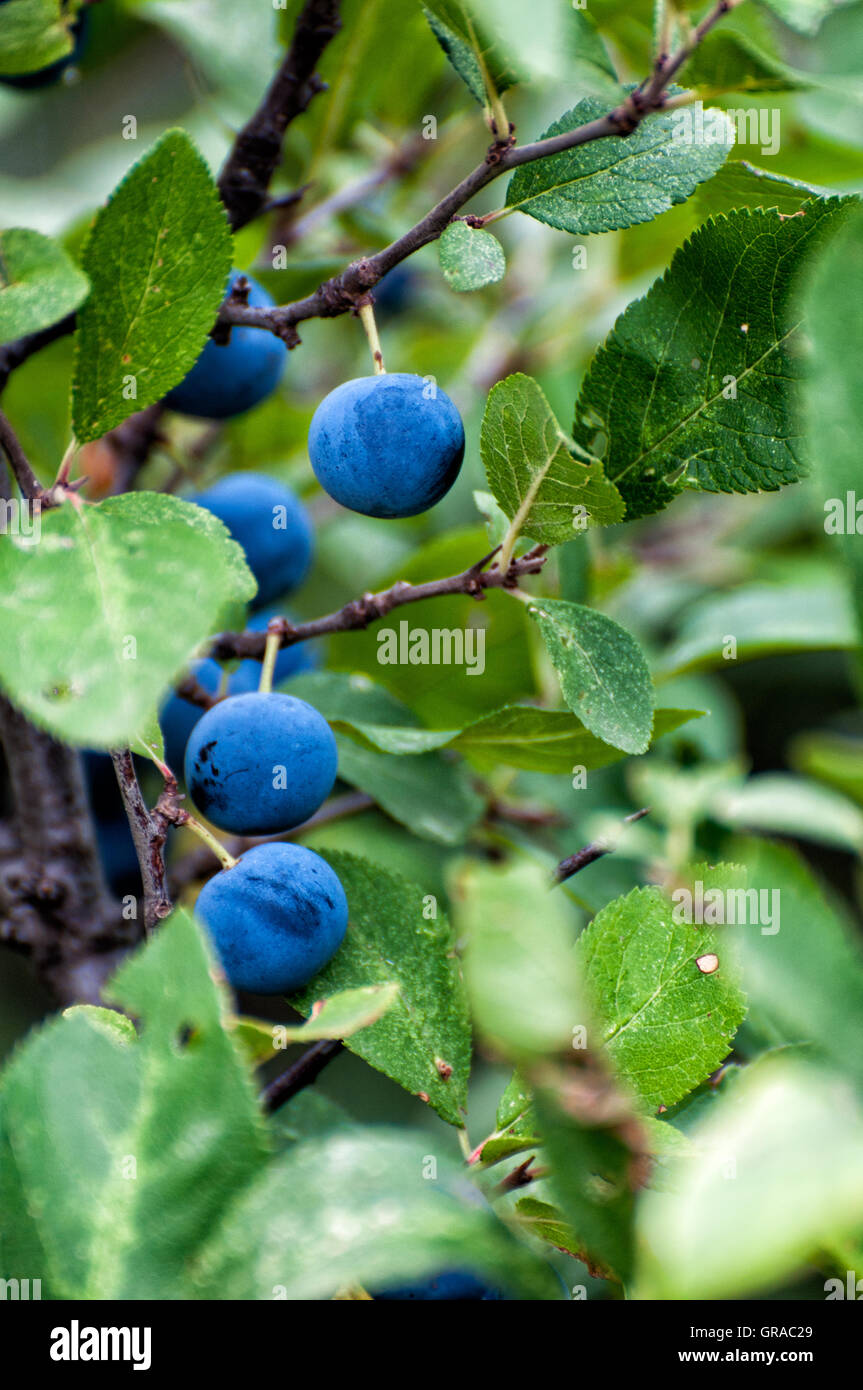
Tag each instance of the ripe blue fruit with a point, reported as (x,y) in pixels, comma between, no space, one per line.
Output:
(453,1284)
(271,525)
(178,717)
(290,661)
(275,918)
(259,764)
(385,446)
(229,378)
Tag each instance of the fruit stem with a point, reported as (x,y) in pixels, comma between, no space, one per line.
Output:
(271,651)
(367,319)
(226,860)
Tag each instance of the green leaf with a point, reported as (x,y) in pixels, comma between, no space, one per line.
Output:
(603,673)
(39,283)
(697,385)
(397,933)
(740,55)
(833,406)
(114,1025)
(664,1024)
(619,181)
(123,1154)
(780,803)
(497,521)
(35,33)
(158,257)
(433,798)
(470,258)
(520,966)
(460,53)
(546,492)
(740,184)
(343,1014)
(469,47)
(538,740)
(361,1208)
(779,1169)
(543,1220)
(762,619)
(805,980)
(836,759)
(148,742)
(515,1125)
(806,16)
(337,1017)
(102,614)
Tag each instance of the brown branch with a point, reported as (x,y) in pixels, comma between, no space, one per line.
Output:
(250,166)
(342,293)
(54,905)
(149,832)
(520,1176)
(301,1074)
(361,612)
(582,857)
(26,479)
(248,171)
(16,353)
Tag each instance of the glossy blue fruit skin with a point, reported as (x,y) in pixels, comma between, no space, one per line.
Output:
(178,717)
(271,525)
(379,447)
(48,76)
(234,754)
(230,378)
(275,918)
(291,661)
(451,1285)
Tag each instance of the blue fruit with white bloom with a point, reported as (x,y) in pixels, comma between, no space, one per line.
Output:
(230,378)
(259,764)
(275,919)
(271,525)
(387,446)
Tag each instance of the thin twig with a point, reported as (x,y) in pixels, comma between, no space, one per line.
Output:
(250,167)
(257,151)
(26,479)
(301,1074)
(343,292)
(361,612)
(582,857)
(16,353)
(149,833)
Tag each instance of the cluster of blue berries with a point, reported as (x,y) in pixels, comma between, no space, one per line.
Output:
(261,763)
